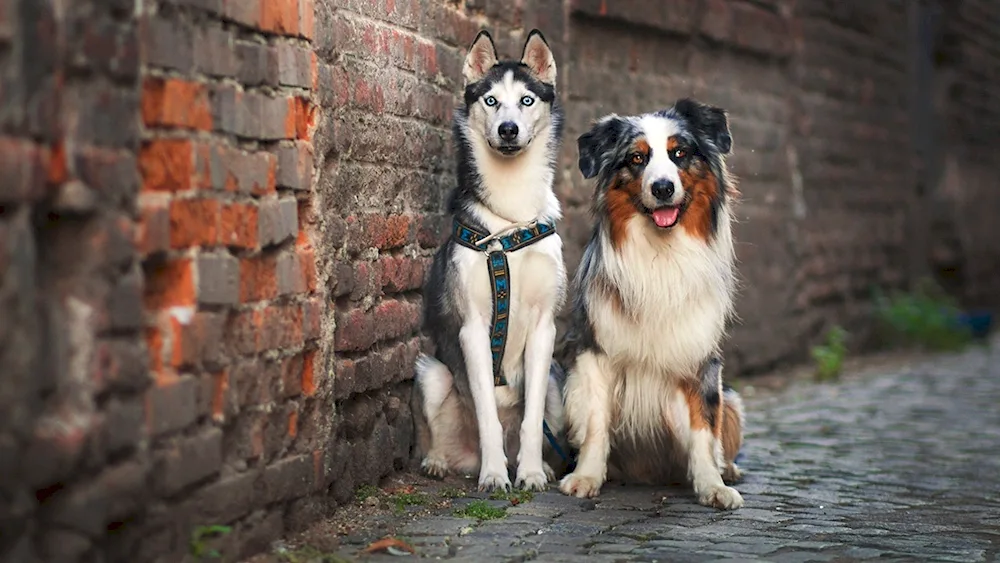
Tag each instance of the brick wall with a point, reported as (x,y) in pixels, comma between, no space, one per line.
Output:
(216,216)
(961,179)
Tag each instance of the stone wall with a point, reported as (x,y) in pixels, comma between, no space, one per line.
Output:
(216,217)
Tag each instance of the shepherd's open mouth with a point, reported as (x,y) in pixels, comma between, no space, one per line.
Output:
(666,216)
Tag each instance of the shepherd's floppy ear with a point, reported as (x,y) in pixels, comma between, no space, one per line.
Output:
(481,58)
(709,123)
(594,144)
(538,57)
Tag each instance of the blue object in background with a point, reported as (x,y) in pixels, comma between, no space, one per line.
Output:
(979,323)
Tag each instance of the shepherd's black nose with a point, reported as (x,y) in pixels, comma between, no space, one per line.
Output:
(663,189)
(508,131)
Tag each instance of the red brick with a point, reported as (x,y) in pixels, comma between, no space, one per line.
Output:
(197,341)
(153,232)
(280,17)
(258,278)
(172,406)
(379,231)
(220,391)
(246,12)
(312,316)
(293,424)
(309,373)
(24,169)
(167,165)
(355,331)
(245,332)
(283,327)
(194,222)
(395,318)
(170,284)
(238,225)
(188,460)
(307,19)
(295,166)
(307,258)
(245,172)
(302,115)
(155,345)
(291,376)
(401,273)
(176,103)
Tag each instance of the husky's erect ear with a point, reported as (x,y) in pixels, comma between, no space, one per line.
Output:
(594,145)
(708,123)
(481,58)
(538,57)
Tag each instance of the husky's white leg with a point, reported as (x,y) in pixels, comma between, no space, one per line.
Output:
(475,341)
(435,383)
(537,358)
(588,414)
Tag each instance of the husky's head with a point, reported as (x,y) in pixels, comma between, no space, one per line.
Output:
(509,102)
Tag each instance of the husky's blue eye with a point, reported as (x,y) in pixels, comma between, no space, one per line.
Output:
(527,101)
(490,101)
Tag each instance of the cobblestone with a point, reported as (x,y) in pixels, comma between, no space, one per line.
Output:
(896,466)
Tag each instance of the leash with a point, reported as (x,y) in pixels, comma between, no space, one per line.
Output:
(496,246)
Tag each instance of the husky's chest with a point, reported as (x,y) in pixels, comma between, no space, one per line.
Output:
(536,285)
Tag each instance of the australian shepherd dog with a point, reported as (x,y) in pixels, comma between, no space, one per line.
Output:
(651,300)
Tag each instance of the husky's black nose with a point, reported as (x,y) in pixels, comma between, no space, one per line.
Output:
(663,190)
(508,131)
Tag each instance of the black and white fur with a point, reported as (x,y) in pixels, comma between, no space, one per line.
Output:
(652,297)
(507,137)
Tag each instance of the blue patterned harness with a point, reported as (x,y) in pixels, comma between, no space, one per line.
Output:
(496,261)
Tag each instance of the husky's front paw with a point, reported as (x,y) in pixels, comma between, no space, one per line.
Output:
(721,497)
(531,480)
(579,485)
(435,466)
(493,480)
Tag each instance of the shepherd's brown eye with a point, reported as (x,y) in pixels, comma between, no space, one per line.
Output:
(680,153)
(638,158)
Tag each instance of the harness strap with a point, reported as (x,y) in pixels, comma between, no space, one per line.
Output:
(513,238)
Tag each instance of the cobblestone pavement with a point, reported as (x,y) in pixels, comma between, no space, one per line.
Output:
(895,466)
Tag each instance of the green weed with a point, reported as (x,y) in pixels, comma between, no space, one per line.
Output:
(516,496)
(365,492)
(829,357)
(199,540)
(926,318)
(451,492)
(402,500)
(481,510)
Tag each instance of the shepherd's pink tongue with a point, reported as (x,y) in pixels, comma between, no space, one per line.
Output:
(665,216)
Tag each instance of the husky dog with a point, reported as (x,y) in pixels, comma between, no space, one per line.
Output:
(485,393)
(652,296)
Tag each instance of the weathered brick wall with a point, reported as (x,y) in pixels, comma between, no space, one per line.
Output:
(72,362)
(963,198)
(216,216)
(160,316)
